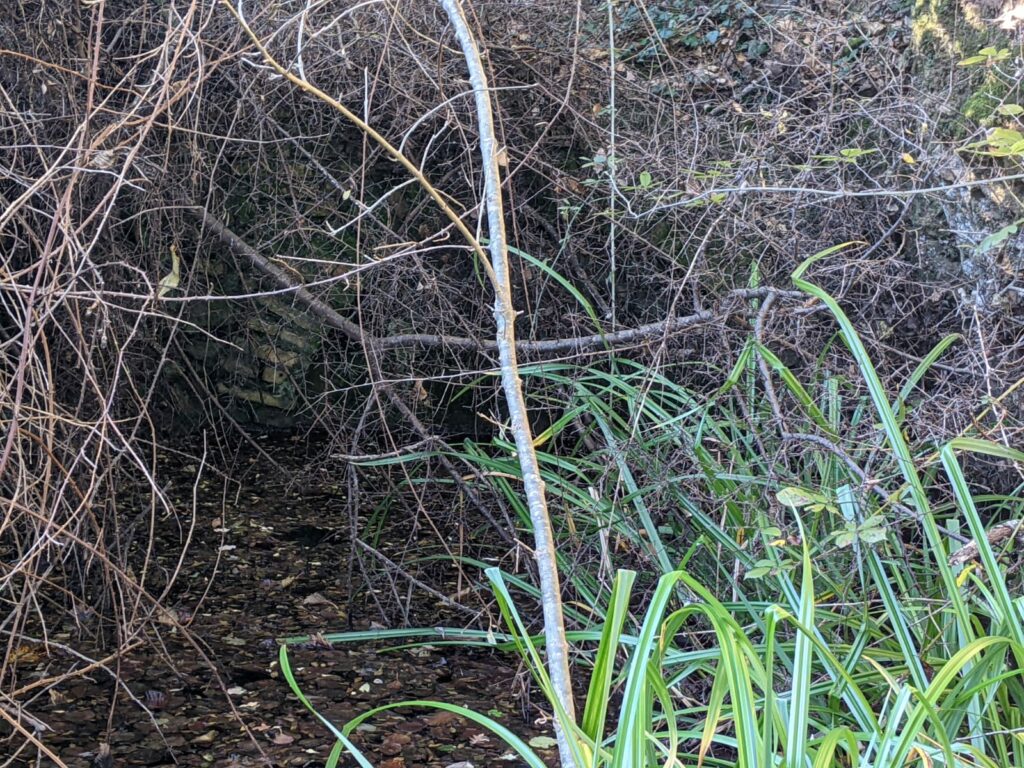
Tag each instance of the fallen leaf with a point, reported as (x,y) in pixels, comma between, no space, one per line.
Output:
(281,738)
(441,718)
(394,744)
(26,654)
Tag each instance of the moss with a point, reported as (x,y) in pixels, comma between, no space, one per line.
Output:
(944,33)
(981,103)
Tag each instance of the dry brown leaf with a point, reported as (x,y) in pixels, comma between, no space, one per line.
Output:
(281,738)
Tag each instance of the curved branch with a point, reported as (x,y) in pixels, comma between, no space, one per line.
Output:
(332,318)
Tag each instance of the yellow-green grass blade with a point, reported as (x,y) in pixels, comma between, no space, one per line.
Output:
(839,737)
(599,692)
(928,699)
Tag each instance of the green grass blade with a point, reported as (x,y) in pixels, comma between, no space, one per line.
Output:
(599,691)
(929,698)
(799,703)
(508,737)
(826,755)
(630,741)
(286,670)
(894,436)
(654,543)
(893,608)
(986,447)
(1010,617)
(796,389)
(919,372)
(571,289)
(737,659)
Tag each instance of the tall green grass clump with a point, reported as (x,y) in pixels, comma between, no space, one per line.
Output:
(756,606)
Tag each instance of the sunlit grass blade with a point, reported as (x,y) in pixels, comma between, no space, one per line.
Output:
(940,683)
(986,447)
(799,700)
(630,747)
(599,691)
(839,737)
(737,659)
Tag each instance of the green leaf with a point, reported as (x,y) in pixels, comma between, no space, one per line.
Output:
(853,153)
(970,61)
(872,535)
(984,56)
(997,238)
(542,742)
(646,180)
(794,497)
(1004,136)
(846,539)
(1011,110)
